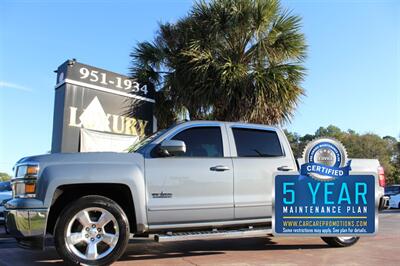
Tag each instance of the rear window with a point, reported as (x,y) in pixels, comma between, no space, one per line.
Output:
(257,143)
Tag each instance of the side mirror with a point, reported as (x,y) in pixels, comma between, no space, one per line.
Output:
(173,147)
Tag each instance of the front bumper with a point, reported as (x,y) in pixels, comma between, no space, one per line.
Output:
(27,226)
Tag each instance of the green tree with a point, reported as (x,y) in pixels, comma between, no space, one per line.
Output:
(4,176)
(230,60)
(370,146)
(394,146)
(396,164)
(295,143)
(330,131)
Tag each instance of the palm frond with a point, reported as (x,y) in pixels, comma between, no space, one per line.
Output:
(238,60)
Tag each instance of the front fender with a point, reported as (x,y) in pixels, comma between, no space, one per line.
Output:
(131,175)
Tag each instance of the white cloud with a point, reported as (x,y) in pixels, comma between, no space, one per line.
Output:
(10,85)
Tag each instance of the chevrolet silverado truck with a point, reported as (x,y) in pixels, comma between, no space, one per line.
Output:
(195,180)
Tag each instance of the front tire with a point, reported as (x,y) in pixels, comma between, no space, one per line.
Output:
(93,230)
(344,241)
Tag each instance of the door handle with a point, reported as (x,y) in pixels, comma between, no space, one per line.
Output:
(284,168)
(219,168)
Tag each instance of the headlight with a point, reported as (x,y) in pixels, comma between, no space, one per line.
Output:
(24,182)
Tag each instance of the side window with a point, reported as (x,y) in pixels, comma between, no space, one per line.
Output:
(256,143)
(202,142)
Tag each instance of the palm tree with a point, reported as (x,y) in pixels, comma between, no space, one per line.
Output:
(229,60)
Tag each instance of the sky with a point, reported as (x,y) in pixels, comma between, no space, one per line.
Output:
(353,63)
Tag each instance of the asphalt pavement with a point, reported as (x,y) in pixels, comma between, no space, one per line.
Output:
(382,249)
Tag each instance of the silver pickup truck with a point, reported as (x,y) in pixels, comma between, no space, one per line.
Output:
(200,179)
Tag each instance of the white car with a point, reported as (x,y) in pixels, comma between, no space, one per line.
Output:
(5,194)
(394,201)
(393,192)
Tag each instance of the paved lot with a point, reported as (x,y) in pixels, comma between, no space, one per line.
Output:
(382,249)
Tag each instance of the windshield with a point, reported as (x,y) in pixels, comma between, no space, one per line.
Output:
(5,186)
(142,143)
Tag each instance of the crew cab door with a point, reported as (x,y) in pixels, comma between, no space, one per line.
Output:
(257,152)
(193,187)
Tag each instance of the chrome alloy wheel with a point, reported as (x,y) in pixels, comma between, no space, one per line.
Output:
(92,233)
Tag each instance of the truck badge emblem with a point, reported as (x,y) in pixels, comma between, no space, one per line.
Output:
(161,195)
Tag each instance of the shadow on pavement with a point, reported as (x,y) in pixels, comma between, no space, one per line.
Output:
(150,251)
(391,211)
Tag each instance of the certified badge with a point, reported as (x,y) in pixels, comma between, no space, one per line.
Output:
(325,159)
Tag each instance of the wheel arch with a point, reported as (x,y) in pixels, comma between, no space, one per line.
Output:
(93,179)
(65,194)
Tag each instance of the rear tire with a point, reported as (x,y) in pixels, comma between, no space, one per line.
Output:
(340,241)
(92,230)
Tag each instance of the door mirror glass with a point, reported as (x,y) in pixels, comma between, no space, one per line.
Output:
(173,147)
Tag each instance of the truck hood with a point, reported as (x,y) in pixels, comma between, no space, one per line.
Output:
(84,158)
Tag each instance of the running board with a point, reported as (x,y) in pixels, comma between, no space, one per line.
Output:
(214,234)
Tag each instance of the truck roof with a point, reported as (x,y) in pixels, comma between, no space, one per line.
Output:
(241,124)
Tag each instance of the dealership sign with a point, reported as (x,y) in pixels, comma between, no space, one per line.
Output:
(93,99)
(325,199)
